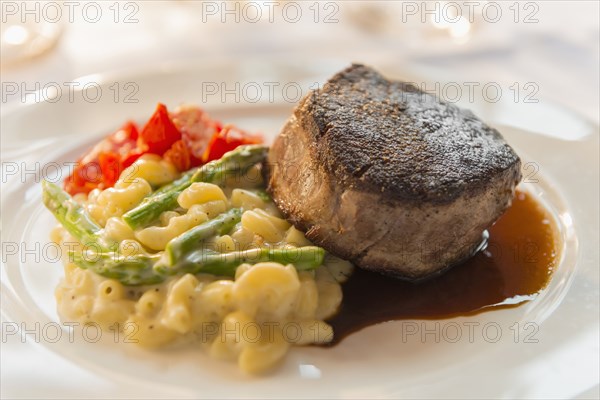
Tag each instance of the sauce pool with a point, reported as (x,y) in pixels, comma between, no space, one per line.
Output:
(517,264)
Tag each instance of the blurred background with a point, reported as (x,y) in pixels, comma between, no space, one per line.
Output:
(553,45)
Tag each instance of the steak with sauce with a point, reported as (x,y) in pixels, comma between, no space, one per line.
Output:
(390,177)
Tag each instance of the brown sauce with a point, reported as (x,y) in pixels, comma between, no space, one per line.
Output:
(518,262)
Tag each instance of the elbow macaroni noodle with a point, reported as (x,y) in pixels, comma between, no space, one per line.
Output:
(253,318)
(152,168)
(157,237)
(115,201)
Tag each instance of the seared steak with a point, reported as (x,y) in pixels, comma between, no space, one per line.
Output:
(389,177)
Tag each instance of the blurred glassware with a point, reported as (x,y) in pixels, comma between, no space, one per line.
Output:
(28,29)
(436,23)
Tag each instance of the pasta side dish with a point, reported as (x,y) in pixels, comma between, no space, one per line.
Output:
(171,238)
(202,256)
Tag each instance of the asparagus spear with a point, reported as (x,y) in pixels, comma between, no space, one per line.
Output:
(150,209)
(264,196)
(149,270)
(212,262)
(234,162)
(185,177)
(129,270)
(187,241)
(73,217)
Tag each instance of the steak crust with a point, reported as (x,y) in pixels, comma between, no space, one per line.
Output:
(390,177)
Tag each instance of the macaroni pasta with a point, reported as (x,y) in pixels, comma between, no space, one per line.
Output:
(252,318)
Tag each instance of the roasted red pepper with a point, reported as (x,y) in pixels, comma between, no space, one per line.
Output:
(102,165)
(188,138)
(179,155)
(159,133)
(110,166)
(227,139)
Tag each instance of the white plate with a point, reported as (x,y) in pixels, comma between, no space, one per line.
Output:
(548,347)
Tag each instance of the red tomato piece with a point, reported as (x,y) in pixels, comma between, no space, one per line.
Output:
(179,155)
(84,179)
(159,133)
(226,140)
(187,138)
(101,166)
(110,166)
(197,128)
(131,157)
